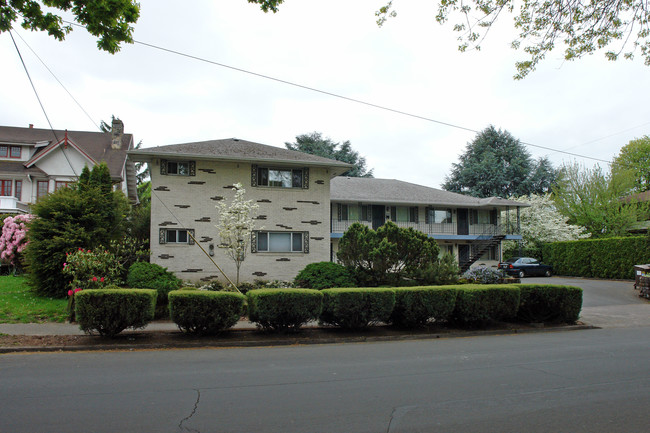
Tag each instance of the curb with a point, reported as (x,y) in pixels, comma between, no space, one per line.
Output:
(284,340)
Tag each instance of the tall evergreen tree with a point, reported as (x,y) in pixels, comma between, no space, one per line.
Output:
(497,164)
(71,218)
(315,144)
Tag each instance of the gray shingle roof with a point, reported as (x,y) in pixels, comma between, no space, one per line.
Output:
(391,191)
(237,150)
(96,144)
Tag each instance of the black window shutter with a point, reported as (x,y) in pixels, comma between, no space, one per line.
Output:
(163,166)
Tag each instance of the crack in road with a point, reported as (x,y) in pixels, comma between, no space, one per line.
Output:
(196,405)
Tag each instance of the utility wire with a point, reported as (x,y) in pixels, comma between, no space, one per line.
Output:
(336,95)
(59,81)
(11,33)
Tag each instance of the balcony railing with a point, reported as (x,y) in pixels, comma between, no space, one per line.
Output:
(11,204)
(430,229)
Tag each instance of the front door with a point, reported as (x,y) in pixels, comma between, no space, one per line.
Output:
(463,222)
(463,254)
(378,216)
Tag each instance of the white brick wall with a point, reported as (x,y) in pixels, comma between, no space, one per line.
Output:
(189,202)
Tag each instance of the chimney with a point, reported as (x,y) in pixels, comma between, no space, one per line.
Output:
(31,126)
(117,130)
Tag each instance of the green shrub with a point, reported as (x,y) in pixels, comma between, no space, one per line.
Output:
(323,275)
(549,303)
(480,304)
(110,311)
(417,306)
(86,215)
(205,312)
(357,308)
(283,309)
(598,258)
(144,275)
(388,255)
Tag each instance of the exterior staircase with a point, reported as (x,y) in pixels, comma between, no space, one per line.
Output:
(481,245)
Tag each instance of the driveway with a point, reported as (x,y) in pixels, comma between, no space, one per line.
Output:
(606,303)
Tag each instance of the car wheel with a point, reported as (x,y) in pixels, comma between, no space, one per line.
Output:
(521,274)
(548,273)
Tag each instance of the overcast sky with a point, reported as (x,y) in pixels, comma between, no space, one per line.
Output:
(589,107)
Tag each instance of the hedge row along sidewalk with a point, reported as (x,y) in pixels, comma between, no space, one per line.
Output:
(109,311)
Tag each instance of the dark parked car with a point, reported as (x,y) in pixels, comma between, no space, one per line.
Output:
(525,267)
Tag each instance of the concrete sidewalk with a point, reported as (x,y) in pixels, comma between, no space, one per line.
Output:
(50,328)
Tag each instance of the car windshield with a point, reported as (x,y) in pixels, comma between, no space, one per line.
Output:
(512,260)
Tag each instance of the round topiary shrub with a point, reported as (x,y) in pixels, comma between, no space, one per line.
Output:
(205,312)
(324,275)
(144,275)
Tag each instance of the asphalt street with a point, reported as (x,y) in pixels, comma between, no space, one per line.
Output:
(580,381)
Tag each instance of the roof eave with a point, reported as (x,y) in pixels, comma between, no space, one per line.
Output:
(336,166)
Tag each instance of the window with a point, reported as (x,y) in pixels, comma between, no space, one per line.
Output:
(60,184)
(289,178)
(5,188)
(438,216)
(41,188)
(280,177)
(281,242)
(483,217)
(10,151)
(177,168)
(404,214)
(176,236)
(19,189)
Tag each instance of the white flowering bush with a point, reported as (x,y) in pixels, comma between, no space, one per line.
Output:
(13,239)
(482,275)
(540,223)
(235,226)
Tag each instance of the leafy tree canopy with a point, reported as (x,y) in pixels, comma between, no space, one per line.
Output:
(497,164)
(596,200)
(635,157)
(582,27)
(109,20)
(315,144)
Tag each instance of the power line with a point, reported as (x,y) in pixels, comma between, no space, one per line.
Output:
(11,33)
(336,95)
(59,81)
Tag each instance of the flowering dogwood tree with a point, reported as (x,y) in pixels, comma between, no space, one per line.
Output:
(236,225)
(13,239)
(542,223)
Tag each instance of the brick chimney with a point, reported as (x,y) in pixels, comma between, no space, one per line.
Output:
(117,130)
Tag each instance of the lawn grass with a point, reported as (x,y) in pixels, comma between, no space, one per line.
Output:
(19,305)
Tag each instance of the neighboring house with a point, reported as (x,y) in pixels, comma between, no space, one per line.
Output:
(470,228)
(35,162)
(291,188)
(304,208)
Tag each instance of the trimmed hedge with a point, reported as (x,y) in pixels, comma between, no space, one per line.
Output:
(357,308)
(598,258)
(549,303)
(485,303)
(110,311)
(283,309)
(417,306)
(205,312)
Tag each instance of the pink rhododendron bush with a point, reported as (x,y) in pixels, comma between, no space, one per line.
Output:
(13,239)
